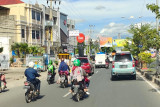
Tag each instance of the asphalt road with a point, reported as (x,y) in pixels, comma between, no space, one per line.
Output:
(123,92)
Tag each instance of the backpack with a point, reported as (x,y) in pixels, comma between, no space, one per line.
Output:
(78,74)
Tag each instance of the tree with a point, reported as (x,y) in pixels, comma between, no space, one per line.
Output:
(144,37)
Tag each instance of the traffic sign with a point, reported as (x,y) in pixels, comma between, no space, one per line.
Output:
(81,38)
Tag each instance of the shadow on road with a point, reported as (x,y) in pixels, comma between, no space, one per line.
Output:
(124,78)
(40,96)
(6,90)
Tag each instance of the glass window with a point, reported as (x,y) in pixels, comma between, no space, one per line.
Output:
(33,34)
(33,14)
(38,16)
(123,58)
(22,33)
(37,34)
(83,60)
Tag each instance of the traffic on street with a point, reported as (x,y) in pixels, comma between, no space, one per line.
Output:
(83,53)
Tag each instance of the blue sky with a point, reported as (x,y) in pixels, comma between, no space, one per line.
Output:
(106,15)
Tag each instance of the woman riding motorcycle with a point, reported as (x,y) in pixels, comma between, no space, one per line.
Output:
(79,74)
(51,68)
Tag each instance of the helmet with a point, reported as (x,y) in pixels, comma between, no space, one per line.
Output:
(31,64)
(77,62)
(50,62)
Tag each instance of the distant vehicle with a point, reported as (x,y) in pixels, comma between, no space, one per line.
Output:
(100,60)
(87,65)
(123,65)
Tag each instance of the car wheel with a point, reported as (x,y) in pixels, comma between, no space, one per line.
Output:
(113,78)
(134,77)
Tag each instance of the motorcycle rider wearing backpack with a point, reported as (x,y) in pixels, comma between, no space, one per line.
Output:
(51,68)
(79,74)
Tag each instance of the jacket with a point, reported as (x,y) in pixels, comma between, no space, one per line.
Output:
(31,74)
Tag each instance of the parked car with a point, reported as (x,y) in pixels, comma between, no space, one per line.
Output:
(87,65)
(123,65)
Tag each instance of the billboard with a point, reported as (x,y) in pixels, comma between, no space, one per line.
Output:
(74,33)
(119,42)
(105,41)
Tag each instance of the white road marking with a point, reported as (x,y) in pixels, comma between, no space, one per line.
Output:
(67,94)
(149,83)
(96,72)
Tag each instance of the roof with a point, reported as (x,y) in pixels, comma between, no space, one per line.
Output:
(8,2)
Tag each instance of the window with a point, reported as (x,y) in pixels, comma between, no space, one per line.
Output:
(38,16)
(33,14)
(123,58)
(22,33)
(37,34)
(33,34)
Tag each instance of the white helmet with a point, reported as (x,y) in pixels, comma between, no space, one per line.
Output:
(31,64)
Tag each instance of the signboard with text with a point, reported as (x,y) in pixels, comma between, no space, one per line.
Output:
(74,33)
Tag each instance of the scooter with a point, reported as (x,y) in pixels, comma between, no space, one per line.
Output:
(78,91)
(30,92)
(2,86)
(50,78)
(63,79)
(107,65)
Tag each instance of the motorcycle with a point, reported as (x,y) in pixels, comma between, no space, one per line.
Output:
(63,79)
(30,92)
(2,86)
(50,78)
(78,91)
(107,65)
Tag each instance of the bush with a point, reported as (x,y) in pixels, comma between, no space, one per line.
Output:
(1,49)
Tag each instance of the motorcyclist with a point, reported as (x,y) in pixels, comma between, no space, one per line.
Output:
(31,75)
(63,67)
(79,74)
(2,78)
(51,68)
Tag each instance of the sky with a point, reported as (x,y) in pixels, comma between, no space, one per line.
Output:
(107,17)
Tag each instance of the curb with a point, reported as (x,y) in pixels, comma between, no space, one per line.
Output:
(149,76)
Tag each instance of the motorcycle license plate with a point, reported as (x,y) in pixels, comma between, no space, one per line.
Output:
(49,75)
(26,88)
(62,78)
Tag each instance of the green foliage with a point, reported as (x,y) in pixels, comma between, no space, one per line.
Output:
(1,49)
(154,8)
(108,49)
(145,57)
(11,60)
(21,49)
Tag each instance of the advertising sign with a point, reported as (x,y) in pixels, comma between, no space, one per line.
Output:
(119,42)
(105,41)
(81,38)
(74,33)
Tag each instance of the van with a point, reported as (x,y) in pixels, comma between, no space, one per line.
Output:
(100,60)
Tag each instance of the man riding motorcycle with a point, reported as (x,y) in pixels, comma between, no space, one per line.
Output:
(80,75)
(51,68)
(31,75)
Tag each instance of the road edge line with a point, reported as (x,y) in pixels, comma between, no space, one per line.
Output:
(149,83)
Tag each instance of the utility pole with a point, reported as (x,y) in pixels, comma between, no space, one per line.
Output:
(157,50)
(89,41)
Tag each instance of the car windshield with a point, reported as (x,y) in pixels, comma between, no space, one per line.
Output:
(83,60)
(123,58)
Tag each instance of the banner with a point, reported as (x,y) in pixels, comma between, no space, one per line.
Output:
(105,41)
(119,42)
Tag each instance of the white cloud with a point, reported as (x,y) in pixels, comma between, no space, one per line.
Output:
(113,29)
